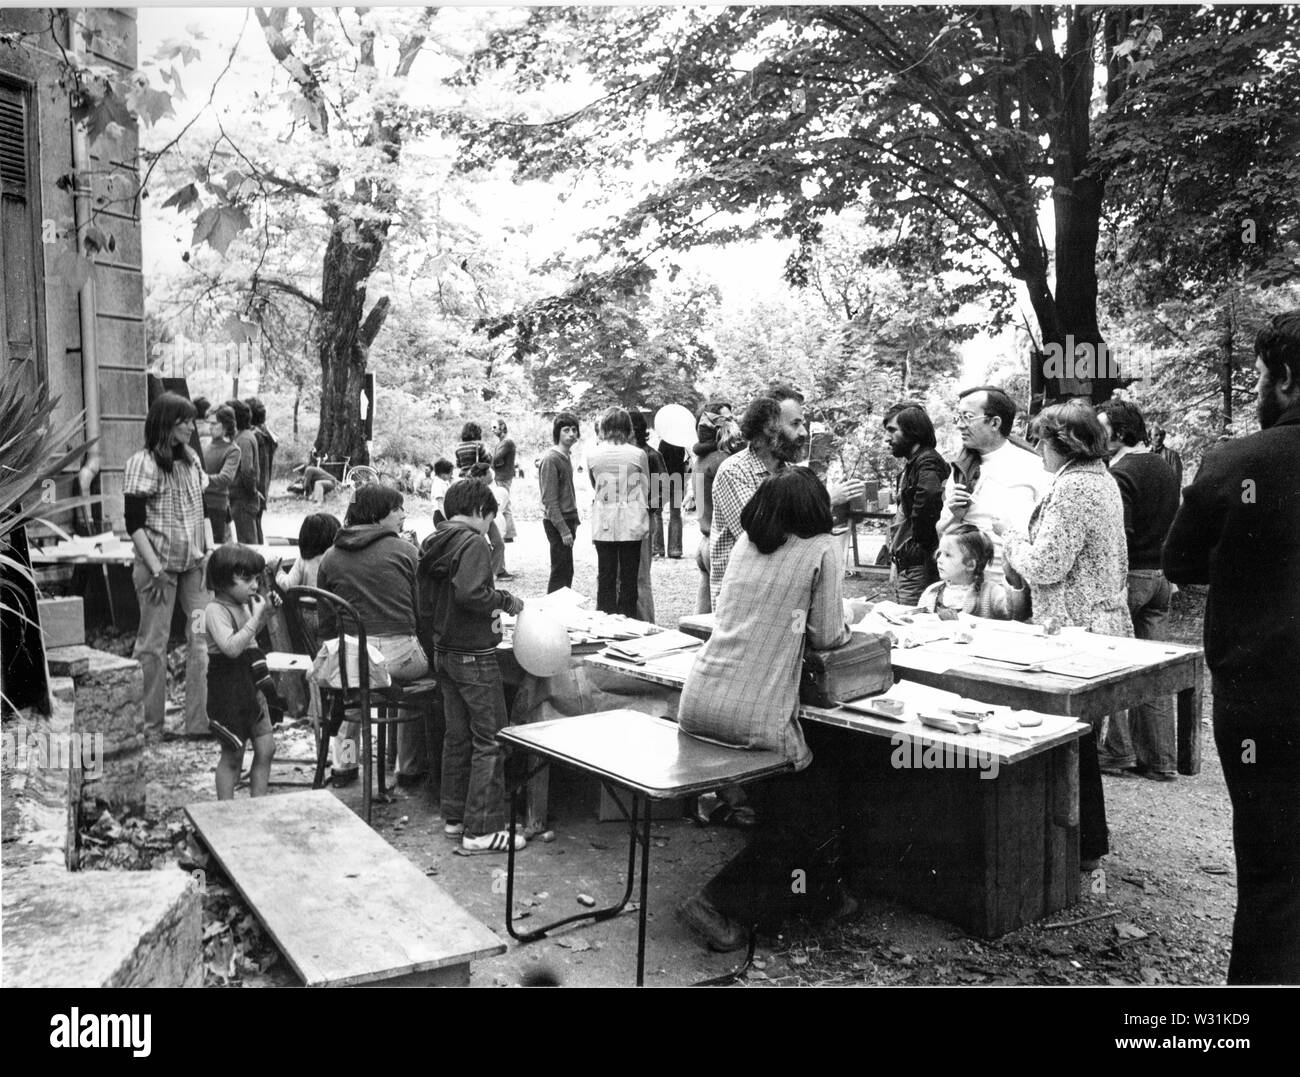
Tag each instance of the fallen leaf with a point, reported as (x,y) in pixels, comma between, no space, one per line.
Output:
(1127,931)
(586,900)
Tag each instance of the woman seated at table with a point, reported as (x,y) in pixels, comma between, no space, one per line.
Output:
(1075,561)
(782,592)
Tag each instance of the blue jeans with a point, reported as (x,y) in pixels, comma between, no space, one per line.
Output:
(473,763)
(1146,736)
(151,645)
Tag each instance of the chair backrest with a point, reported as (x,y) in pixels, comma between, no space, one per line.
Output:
(331,613)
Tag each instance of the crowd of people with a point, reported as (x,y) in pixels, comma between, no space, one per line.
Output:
(1084,525)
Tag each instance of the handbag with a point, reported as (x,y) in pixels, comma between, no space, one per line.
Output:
(325,668)
(861,667)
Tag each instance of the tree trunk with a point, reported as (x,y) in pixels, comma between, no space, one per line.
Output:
(345,336)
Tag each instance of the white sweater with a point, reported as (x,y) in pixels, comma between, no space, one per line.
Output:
(1011,483)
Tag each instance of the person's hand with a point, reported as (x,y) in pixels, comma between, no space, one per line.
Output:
(568,539)
(155,591)
(841,492)
(261,609)
(958,501)
(515,606)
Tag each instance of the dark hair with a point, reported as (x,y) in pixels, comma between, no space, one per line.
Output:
(791,502)
(563,419)
(914,422)
(257,411)
(231,560)
(470,432)
(371,503)
(501,423)
(481,470)
(761,412)
(616,426)
(469,497)
(226,417)
(164,413)
(1278,345)
(975,546)
(443,466)
(1073,430)
(1125,419)
(243,414)
(201,406)
(316,535)
(783,390)
(998,404)
(640,428)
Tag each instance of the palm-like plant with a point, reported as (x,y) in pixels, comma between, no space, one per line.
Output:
(33,449)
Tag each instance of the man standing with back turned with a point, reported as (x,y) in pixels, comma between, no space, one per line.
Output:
(1239,531)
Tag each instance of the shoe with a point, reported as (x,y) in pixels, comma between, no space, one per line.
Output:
(1157,775)
(492,843)
(453,830)
(712,928)
(1117,770)
(408,780)
(511,539)
(504,575)
(340,778)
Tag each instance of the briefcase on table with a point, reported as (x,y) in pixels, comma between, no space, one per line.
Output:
(860,668)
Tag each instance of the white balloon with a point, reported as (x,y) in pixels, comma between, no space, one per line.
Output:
(541,643)
(675,425)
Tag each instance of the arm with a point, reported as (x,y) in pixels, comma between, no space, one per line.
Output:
(232,641)
(1196,531)
(471,582)
(549,480)
(245,483)
(927,505)
(727,504)
(1062,532)
(827,628)
(222,480)
(1126,492)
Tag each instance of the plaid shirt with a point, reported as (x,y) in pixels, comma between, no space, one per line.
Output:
(738,479)
(743,689)
(173,507)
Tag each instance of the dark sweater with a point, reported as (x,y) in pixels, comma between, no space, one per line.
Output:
(1239,531)
(456,587)
(555,477)
(1150,493)
(920,500)
(371,567)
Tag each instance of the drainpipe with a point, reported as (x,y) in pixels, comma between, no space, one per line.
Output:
(89,322)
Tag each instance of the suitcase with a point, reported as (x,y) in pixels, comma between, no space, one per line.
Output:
(860,668)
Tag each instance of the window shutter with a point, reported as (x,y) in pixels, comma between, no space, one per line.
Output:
(17,239)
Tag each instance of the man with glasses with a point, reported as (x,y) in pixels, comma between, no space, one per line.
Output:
(993,479)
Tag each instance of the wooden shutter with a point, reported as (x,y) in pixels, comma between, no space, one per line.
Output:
(17,228)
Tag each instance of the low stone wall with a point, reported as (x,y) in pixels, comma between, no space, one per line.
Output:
(101,929)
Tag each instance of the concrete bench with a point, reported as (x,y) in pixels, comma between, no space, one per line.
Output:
(344,907)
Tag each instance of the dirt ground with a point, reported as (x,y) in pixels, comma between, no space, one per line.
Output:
(1159,911)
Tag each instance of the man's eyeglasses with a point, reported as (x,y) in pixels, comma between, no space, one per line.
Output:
(965,418)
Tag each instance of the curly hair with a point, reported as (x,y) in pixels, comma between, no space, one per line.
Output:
(1072,430)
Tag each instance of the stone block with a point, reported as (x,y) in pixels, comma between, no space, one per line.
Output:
(110,702)
(101,929)
(119,788)
(63,621)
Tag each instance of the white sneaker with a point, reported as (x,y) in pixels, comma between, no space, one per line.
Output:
(453,830)
(492,843)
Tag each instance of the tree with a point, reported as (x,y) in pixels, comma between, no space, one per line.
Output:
(778,117)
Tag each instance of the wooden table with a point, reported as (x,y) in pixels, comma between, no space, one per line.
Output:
(647,757)
(1160,669)
(985,835)
(343,905)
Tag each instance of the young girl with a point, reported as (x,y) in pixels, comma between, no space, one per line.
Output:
(964,552)
(236,668)
(315,536)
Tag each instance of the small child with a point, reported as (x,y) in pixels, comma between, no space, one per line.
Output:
(237,669)
(443,470)
(315,536)
(964,552)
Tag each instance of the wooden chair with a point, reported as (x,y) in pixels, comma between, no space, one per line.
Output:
(305,608)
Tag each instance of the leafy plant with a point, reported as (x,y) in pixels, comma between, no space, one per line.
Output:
(33,450)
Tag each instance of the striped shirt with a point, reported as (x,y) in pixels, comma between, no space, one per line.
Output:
(738,479)
(173,507)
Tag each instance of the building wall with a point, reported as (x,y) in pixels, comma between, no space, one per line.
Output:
(37,65)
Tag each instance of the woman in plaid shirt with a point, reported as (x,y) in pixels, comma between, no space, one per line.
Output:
(782,591)
(164,517)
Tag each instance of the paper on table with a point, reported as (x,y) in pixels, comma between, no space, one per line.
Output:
(565,598)
(672,665)
(924,659)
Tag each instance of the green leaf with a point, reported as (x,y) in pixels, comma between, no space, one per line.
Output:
(186,196)
(150,105)
(218,226)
